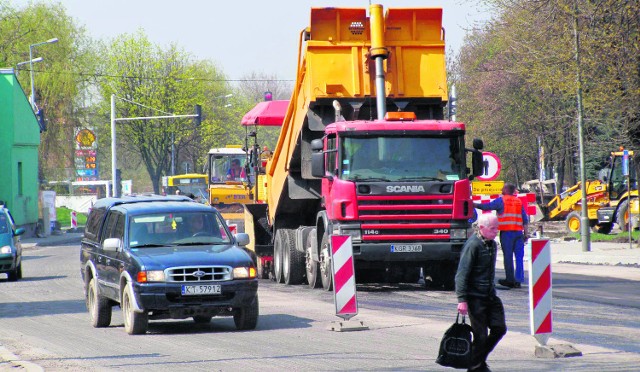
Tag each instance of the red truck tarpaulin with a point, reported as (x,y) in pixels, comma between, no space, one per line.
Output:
(266,113)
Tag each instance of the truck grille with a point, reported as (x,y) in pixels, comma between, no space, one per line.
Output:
(198,274)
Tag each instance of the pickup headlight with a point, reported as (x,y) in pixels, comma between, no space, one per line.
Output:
(6,249)
(244,272)
(150,276)
(458,233)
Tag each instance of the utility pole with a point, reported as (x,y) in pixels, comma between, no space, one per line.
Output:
(584,219)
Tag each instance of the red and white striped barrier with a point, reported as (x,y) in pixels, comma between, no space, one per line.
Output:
(540,291)
(74,220)
(344,279)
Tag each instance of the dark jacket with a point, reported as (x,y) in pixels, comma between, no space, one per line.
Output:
(477,269)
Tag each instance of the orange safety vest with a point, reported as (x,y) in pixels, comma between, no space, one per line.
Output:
(511,217)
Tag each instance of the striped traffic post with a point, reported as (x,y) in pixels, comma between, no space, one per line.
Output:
(74,220)
(540,294)
(344,279)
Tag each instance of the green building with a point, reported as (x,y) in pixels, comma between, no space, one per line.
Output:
(19,141)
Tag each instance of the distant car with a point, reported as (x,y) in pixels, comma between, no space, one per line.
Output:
(10,248)
(165,257)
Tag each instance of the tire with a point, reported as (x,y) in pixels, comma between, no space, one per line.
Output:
(202,319)
(278,247)
(246,318)
(442,275)
(326,274)
(293,261)
(622,217)
(12,276)
(312,267)
(99,307)
(134,323)
(603,228)
(573,222)
(19,271)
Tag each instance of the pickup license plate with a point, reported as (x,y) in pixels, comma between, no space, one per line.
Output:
(406,248)
(203,289)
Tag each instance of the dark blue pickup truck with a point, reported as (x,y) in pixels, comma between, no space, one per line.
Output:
(165,257)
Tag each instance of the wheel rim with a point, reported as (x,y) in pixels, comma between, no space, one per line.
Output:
(574,224)
(91,300)
(325,262)
(126,311)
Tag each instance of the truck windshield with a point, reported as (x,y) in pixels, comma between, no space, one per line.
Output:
(402,158)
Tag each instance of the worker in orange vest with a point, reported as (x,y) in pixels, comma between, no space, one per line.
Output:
(512,223)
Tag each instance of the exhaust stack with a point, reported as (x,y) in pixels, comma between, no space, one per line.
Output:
(379,53)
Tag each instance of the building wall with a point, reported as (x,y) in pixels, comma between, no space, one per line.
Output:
(19,141)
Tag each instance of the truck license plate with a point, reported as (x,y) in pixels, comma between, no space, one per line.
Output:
(406,248)
(195,290)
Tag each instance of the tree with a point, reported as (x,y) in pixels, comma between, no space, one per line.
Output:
(150,81)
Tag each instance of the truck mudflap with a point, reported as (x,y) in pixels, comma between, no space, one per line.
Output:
(260,237)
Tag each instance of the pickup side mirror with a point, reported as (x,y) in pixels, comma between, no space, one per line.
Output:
(242,239)
(111,245)
(19,231)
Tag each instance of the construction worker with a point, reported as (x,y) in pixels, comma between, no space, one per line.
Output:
(513,221)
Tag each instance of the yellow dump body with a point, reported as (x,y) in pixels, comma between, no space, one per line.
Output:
(334,64)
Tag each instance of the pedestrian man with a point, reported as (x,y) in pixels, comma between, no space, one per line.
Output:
(513,221)
(476,291)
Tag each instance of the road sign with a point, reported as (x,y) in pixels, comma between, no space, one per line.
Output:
(492,167)
(487,187)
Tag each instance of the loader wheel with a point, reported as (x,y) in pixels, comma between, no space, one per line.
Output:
(573,222)
(622,218)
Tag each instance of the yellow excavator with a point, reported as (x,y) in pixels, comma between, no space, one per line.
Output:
(609,199)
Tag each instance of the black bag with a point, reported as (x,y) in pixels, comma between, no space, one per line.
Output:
(455,347)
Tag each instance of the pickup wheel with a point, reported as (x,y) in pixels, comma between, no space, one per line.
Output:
(13,276)
(134,323)
(202,319)
(99,307)
(246,318)
(293,261)
(19,271)
(325,263)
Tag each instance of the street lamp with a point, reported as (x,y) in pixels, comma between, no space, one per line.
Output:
(32,99)
(35,60)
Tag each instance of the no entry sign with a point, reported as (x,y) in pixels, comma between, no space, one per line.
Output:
(491,168)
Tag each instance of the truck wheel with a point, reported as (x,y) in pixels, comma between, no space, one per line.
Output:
(292,260)
(246,318)
(134,323)
(603,228)
(622,218)
(573,222)
(99,307)
(312,267)
(278,247)
(325,263)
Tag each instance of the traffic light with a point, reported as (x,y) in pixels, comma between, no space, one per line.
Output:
(268,96)
(197,120)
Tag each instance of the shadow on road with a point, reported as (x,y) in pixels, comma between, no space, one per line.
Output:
(38,308)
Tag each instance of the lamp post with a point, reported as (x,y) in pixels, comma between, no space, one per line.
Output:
(35,60)
(32,99)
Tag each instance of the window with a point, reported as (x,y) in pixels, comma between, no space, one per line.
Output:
(93,224)
(331,154)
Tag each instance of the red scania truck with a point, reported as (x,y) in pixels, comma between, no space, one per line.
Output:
(364,151)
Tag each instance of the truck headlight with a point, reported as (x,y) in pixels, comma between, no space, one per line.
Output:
(458,233)
(150,276)
(244,272)
(6,249)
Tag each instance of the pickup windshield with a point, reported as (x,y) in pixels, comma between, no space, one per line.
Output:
(402,158)
(176,229)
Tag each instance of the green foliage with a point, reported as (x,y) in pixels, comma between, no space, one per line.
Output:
(517,83)
(621,237)
(63,216)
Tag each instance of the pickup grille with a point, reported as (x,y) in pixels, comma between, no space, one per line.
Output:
(198,274)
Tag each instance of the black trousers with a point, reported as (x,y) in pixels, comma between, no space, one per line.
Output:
(487,320)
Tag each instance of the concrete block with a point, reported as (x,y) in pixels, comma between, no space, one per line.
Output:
(556,351)
(348,326)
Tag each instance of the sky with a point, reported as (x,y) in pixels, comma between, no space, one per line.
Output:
(240,36)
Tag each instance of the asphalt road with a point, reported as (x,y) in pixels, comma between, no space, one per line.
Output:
(43,320)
